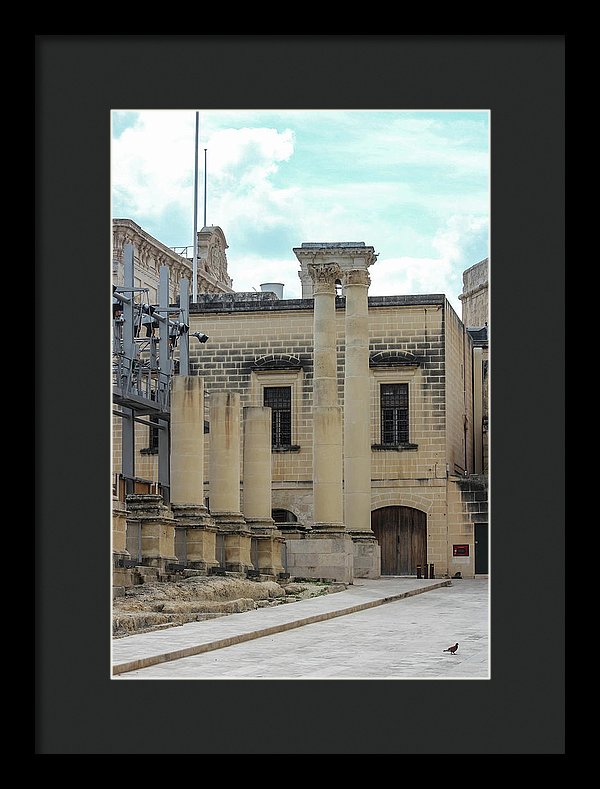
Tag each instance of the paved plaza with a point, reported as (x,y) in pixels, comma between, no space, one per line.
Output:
(392,637)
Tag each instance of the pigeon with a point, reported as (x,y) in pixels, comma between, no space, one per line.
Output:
(452,649)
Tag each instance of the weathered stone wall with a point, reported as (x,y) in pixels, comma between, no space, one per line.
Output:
(467,505)
(486,412)
(475,295)
(459,396)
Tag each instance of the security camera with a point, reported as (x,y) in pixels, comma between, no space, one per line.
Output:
(201,337)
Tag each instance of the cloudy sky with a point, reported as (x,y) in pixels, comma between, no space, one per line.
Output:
(414,185)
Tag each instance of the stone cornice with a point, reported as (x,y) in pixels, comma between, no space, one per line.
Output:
(477,289)
(148,245)
(346,254)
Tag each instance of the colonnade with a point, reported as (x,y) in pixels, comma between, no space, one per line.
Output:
(341,544)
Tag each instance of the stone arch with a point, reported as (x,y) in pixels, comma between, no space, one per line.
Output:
(393,359)
(281,515)
(397,498)
(401,532)
(276,361)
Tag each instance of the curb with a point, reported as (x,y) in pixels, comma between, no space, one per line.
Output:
(198,649)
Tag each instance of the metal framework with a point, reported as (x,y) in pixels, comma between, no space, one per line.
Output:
(142,367)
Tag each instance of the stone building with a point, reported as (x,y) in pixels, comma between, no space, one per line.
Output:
(149,255)
(475,295)
(369,403)
(475,316)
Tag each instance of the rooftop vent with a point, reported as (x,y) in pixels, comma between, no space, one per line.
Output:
(273,287)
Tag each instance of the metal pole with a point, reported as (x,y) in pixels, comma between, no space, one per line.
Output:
(195,261)
(164,362)
(184,343)
(205,187)
(128,426)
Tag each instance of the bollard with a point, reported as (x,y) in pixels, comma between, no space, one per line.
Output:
(418,571)
(431,572)
(425,573)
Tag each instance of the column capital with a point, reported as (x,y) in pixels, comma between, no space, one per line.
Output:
(324,276)
(356,276)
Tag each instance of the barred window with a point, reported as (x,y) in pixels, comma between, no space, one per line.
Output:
(394,413)
(153,433)
(279,400)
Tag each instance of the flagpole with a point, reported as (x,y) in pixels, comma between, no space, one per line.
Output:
(195,260)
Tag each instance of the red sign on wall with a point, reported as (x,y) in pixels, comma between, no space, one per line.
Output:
(460,550)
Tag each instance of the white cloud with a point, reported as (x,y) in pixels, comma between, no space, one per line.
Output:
(153,168)
(405,275)
(458,235)
(277,179)
(443,274)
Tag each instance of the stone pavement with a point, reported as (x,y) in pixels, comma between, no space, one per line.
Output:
(375,629)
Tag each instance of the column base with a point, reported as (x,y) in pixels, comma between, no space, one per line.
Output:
(367,555)
(267,543)
(200,535)
(322,555)
(119,529)
(327,530)
(237,541)
(159,562)
(157,528)
(192,514)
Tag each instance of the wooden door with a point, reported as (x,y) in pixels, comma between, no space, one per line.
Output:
(402,534)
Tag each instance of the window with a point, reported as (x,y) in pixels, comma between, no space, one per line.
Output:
(279,400)
(394,414)
(153,435)
(283,516)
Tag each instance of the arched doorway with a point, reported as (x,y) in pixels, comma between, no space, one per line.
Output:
(402,534)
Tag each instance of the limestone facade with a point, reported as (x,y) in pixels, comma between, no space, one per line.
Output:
(413,340)
(150,254)
(335,357)
(475,295)
(476,317)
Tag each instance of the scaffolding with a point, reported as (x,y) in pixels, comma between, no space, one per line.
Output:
(143,366)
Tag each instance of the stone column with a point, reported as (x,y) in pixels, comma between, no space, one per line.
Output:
(257,490)
(327,552)
(224,480)
(327,417)
(357,426)
(187,472)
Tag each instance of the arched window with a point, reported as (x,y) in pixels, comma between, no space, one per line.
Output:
(283,516)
